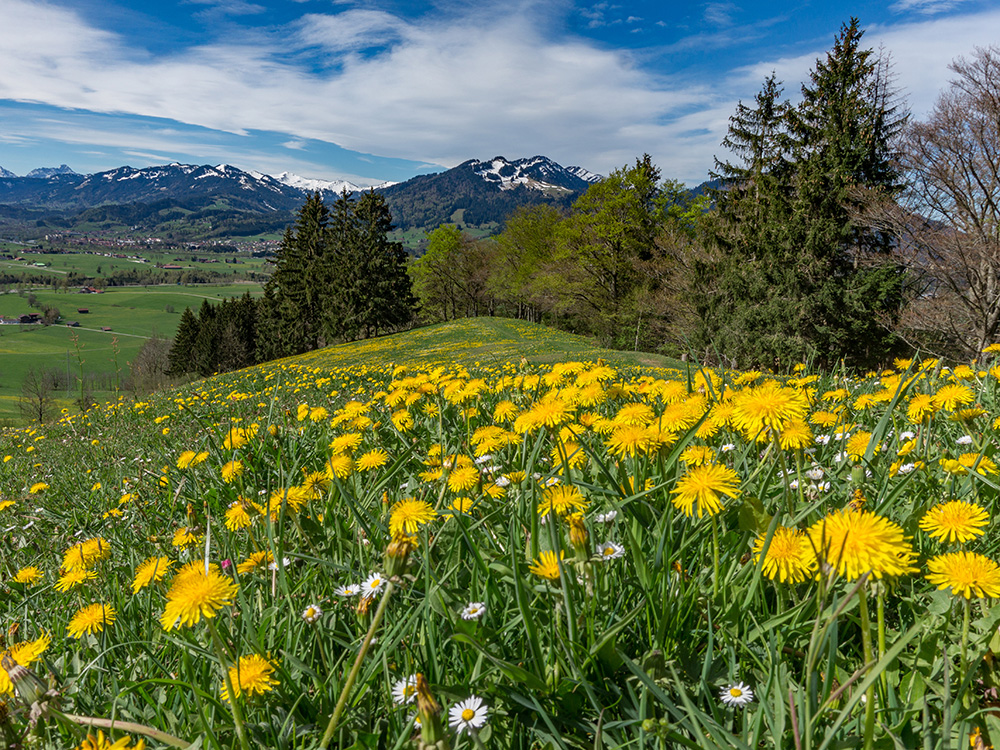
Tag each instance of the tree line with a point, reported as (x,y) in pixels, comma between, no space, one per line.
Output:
(337,277)
(838,231)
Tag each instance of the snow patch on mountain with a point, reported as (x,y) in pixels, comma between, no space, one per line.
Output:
(44,173)
(536,172)
(6,174)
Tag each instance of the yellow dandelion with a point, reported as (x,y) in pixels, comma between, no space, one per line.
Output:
(195,593)
(789,557)
(373,459)
(547,565)
(967,574)
(857,445)
(953,395)
(150,570)
(704,485)
(90,620)
(84,554)
(257,560)
(72,578)
(767,407)
(253,675)
(100,742)
(981,464)
(340,466)
(239,515)
(562,500)
(186,537)
(231,470)
(463,478)
(955,521)
(28,576)
(795,435)
(920,408)
(855,542)
(408,515)
(38,487)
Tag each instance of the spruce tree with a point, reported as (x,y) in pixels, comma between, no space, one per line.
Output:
(795,276)
(181,355)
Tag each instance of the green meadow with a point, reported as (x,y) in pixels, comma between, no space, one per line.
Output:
(488,534)
(133,314)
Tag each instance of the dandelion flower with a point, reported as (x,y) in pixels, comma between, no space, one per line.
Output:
(256,561)
(38,487)
(251,674)
(789,557)
(72,578)
(100,742)
(90,619)
(855,542)
(704,484)
(469,715)
(195,593)
(231,470)
(561,500)
(736,695)
(373,459)
(152,569)
(408,515)
(955,521)
(474,611)
(953,395)
(463,478)
(769,406)
(966,573)
(547,565)
(28,576)
(86,553)
(186,537)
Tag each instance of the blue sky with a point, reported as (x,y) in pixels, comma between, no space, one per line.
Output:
(378,90)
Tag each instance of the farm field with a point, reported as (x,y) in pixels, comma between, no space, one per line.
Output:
(134,314)
(519,540)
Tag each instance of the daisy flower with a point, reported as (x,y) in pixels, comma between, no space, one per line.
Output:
(373,584)
(405,691)
(469,715)
(610,551)
(736,695)
(351,589)
(473,611)
(312,613)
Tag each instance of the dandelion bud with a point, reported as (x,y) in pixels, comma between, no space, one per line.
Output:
(429,712)
(28,685)
(578,536)
(397,554)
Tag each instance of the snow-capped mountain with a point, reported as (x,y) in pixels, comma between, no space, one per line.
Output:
(537,172)
(585,174)
(6,174)
(325,187)
(45,172)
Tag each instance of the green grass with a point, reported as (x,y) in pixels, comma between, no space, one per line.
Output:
(134,314)
(733,529)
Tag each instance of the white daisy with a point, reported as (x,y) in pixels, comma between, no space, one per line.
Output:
(610,551)
(501,482)
(405,691)
(815,473)
(907,435)
(468,715)
(964,440)
(373,584)
(473,611)
(736,695)
(608,517)
(351,589)
(312,613)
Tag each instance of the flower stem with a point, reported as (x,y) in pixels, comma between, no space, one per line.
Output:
(353,674)
(220,650)
(715,557)
(966,606)
(866,642)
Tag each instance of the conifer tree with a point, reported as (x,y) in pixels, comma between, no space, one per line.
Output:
(181,355)
(795,276)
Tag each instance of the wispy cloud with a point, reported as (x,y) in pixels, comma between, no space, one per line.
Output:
(925,7)
(720,14)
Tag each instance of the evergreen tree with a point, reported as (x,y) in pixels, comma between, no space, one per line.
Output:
(181,355)
(795,276)
(345,298)
(385,299)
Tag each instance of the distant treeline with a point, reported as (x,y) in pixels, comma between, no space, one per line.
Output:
(337,277)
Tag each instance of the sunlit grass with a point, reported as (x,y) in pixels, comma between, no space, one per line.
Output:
(571,554)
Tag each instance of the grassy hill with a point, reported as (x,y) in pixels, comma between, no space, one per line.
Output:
(562,547)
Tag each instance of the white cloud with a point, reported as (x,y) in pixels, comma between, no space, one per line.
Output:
(437,91)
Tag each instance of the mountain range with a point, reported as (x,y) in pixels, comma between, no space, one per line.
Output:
(476,193)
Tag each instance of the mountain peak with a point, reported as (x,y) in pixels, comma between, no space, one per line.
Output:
(535,172)
(43,173)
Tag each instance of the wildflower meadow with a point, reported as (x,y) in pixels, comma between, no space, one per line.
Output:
(376,552)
